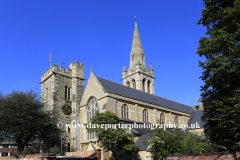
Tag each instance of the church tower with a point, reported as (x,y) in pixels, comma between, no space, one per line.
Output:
(138,76)
(62,91)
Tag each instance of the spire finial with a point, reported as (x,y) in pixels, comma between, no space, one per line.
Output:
(124,69)
(135,20)
(91,69)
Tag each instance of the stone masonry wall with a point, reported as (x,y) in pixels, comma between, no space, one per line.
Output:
(53,88)
(210,156)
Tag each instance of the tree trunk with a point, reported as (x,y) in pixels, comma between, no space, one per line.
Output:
(115,155)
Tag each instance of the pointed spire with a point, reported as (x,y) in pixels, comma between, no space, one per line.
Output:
(136,44)
(137,53)
(124,71)
(124,68)
(151,69)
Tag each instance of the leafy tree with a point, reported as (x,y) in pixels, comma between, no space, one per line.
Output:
(24,121)
(55,150)
(164,143)
(197,107)
(191,143)
(173,142)
(112,139)
(221,71)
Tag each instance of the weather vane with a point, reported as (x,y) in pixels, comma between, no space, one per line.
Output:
(62,63)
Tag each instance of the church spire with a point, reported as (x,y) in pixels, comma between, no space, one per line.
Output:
(137,54)
(138,76)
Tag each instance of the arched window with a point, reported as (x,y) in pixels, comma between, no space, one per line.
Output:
(92,108)
(145,115)
(148,86)
(176,120)
(134,84)
(162,118)
(128,84)
(124,110)
(143,84)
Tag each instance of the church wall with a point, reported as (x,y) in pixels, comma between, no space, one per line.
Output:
(92,89)
(119,105)
(132,112)
(136,113)
(56,96)
(144,155)
(110,104)
(83,118)
(199,131)
(47,90)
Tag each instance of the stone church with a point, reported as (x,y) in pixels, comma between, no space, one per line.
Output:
(133,101)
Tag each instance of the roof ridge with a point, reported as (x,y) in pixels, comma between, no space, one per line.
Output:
(145,92)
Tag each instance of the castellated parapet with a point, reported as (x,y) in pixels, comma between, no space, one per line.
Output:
(61,87)
(74,70)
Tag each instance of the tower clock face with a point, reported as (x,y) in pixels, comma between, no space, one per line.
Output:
(66,109)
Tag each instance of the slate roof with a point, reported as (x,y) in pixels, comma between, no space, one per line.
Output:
(196,118)
(116,88)
(140,145)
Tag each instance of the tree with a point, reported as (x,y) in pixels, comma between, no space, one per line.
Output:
(113,139)
(174,141)
(164,143)
(55,150)
(221,71)
(192,143)
(23,120)
(197,107)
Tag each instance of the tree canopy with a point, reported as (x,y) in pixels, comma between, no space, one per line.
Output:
(221,71)
(115,139)
(164,143)
(175,141)
(23,120)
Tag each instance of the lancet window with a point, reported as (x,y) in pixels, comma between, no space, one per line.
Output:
(124,110)
(162,118)
(145,115)
(92,108)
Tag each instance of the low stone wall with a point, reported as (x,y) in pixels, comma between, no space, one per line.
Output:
(94,155)
(24,157)
(207,156)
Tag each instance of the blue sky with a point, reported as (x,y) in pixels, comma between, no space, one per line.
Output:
(99,33)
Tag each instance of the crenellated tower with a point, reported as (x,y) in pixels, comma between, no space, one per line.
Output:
(62,91)
(138,76)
